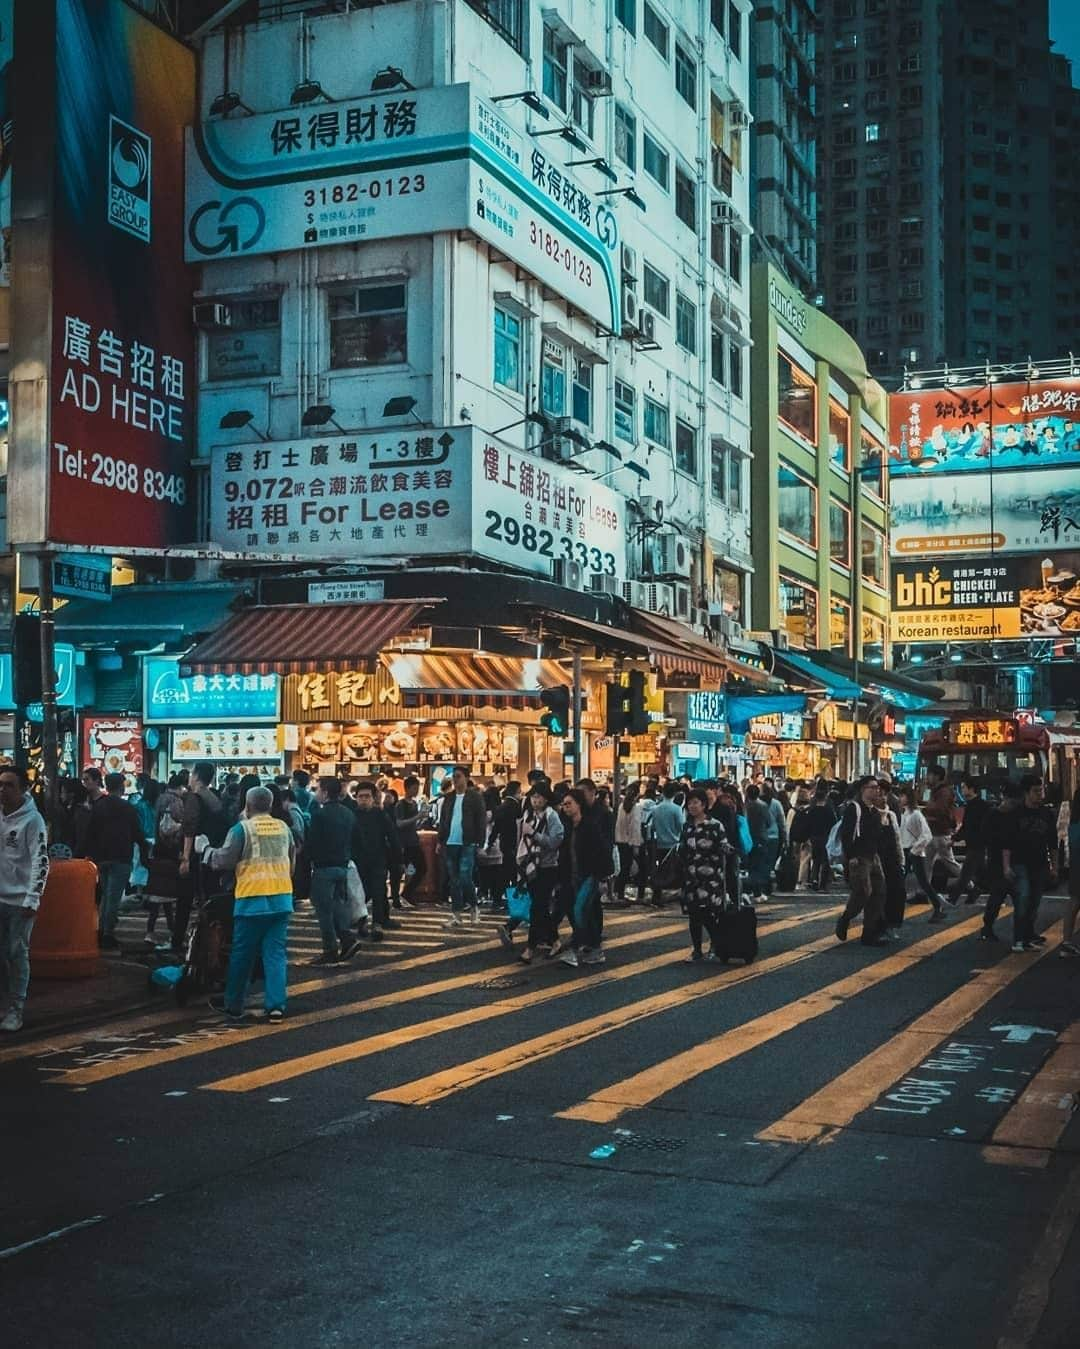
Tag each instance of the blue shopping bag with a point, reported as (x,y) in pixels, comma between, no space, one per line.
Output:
(518,903)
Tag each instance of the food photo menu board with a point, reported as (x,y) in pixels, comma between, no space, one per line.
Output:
(406,742)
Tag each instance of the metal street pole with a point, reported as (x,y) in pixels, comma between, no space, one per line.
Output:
(50,731)
(575,724)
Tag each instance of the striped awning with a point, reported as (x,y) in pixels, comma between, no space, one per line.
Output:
(676,649)
(454,676)
(303,638)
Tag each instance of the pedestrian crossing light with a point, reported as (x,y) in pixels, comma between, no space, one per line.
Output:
(637,706)
(556,718)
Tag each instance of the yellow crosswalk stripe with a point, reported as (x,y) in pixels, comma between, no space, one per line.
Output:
(606,1105)
(171,1053)
(837,1104)
(347,1053)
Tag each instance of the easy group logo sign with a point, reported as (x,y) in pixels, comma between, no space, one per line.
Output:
(129,179)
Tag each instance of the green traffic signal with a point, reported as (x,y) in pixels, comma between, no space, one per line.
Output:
(556,718)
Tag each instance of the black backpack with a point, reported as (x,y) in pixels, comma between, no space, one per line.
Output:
(213,823)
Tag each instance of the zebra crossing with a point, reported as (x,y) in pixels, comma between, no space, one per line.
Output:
(431,1016)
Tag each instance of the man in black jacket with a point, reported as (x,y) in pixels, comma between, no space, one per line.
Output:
(584,862)
(329,849)
(973,832)
(114,833)
(375,845)
(861,828)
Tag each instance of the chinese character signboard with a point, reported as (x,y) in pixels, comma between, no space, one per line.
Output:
(706,718)
(986,599)
(206,699)
(391,165)
(435,493)
(976,471)
(101,446)
(83,575)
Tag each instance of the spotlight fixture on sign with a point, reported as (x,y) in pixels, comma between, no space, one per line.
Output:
(532,101)
(390,78)
(608,448)
(638,470)
(321,414)
(229,102)
(569,135)
(403,406)
(240,417)
(308,91)
(600,164)
(630,193)
(535,418)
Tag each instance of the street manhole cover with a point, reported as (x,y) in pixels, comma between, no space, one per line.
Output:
(496,984)
(646,1144)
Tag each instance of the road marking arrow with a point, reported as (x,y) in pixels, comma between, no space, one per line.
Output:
(1022,1034)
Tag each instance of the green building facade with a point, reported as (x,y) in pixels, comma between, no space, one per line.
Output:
(819,436)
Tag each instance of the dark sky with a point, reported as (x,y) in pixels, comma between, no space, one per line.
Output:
(1065,31)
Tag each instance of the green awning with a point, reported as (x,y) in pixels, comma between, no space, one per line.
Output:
(145,616)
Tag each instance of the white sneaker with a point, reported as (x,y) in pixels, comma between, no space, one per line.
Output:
(473,914)
(13,1020)
(569,957)
(455,920)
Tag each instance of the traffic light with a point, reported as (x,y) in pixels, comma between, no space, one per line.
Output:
(26,659)
(615,721)
(556,718)
(637,711)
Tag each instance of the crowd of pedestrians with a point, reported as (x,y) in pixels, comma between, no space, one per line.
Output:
(562,852)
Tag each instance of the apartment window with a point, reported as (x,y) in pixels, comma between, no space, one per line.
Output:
(735,256)
(656,426)
(845,231)
(876,70)
(656,289)
(843,135)
(877,228)
(735,480)
(796,505)
(911,96)
(367,326)
(913,257)
(556,68)
(845,72)
(912,322)
(734,32)
(685,448)
(507,350)
(685,76)
(625,415)
(839,625)
(872,463)
(625,136)
(716,14)
(796,398)
(686,323)
(685,198)
(877,262)
(798,611)
(872,553)
(553,379)
(845,168)
(626,13)
(656,160)
(719,451)
(848,200)
(735,369)
(251,345)
(873,132)
(846,262)
(911,64)
(877,325)
(839,436)
(507,19)
(717,343)
(656,30)
(911,225)
(839,533)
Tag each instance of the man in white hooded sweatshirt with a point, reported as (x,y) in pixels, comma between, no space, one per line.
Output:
(24,868)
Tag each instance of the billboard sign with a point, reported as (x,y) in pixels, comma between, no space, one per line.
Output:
(113,745)
(206,699)
(398,164)
(986,599)
(64,657)
(423,494)
(101,451)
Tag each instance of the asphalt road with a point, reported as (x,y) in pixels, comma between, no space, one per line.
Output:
(835,1146)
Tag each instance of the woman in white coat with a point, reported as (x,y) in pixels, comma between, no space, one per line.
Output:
(629,837)
(915,837)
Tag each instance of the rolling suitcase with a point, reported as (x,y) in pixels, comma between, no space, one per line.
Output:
(737,928)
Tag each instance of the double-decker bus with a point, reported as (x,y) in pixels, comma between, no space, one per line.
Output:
(994,747)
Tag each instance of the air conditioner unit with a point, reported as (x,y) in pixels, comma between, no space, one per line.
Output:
(737,115)
(208,314)
(723,213)
(684,605)
(597,83)
(600,584)
(780,639)
(671,554)
(729,628)
(636,594)
(660,599)
(565,572)
(647,325)
(652,508)
(628,259)
(630,308)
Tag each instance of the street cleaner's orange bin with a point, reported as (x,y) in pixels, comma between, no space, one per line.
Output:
(63,944)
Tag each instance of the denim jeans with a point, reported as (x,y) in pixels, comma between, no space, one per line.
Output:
(114,880)
(1028,890)
(330,896)
(587,915)
(760,864)
(15,928)
(460,866)
(266,933)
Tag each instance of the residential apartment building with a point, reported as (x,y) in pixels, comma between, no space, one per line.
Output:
(820,482)
(581,296)
(937,204)
(785,138)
